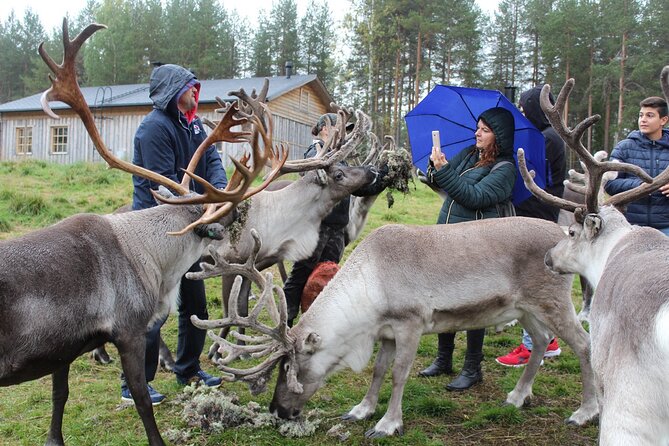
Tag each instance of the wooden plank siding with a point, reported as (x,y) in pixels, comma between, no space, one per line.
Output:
(294,113)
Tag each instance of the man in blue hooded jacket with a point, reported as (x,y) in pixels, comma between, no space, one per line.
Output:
(165,142)
(647,148)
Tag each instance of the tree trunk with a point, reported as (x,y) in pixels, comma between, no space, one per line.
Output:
(418,53)
(607,114)
(621,88)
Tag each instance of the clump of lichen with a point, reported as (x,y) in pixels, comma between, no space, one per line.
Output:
(212,411)
(400,172)
(236,227)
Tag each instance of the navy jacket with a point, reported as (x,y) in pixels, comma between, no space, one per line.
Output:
(165,141)
(653,157)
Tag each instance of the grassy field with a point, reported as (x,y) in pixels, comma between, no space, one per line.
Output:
(34,194)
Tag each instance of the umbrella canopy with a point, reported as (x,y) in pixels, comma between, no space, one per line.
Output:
(454,111)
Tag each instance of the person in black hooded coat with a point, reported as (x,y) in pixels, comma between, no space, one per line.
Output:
(477,180)
(556,168)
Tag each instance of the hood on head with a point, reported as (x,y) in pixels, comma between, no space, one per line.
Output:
(166,83)
(529,100)
(502,124)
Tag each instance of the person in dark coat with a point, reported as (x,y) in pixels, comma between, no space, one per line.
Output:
(556,168)
(165,142)
(477,180)
(647,148)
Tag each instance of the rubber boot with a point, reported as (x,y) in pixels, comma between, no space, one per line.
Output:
(471,373)
(443,363)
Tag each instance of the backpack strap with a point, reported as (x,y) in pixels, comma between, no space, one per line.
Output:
(501,163)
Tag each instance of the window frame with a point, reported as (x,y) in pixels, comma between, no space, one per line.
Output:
(24,141)
(53,136)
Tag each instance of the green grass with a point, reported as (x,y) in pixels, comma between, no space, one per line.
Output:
(35,194)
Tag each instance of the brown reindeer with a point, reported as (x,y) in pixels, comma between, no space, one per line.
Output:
(629,268)
(122,271)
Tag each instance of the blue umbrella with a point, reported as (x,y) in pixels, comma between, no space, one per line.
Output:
(454,112)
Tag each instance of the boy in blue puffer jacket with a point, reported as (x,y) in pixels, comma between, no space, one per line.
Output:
(647,148)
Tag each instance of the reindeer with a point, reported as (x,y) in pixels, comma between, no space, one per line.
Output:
(288,218)
(467,276)
(122,271)
(628,267)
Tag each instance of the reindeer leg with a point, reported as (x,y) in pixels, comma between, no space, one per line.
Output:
(226,288)
(522,392)
(101,356)
(165,358)
(587,291)
(406,348)
(59,392)
(366,407)
(132,354)
(571,331)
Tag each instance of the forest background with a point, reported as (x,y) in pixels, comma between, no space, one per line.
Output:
(383,57)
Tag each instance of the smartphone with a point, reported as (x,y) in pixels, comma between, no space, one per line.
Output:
(436,141)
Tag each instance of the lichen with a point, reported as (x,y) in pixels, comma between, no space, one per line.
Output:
(212,411)
(235,228)
(400,172)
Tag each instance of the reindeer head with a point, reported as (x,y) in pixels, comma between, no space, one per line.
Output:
(599,223)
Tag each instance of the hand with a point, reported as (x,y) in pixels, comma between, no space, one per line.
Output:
(438,158)
(665,190)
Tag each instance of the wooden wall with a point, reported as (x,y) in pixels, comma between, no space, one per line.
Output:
(294,114)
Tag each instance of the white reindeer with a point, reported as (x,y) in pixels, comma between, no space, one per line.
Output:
(405,281)
(629,268)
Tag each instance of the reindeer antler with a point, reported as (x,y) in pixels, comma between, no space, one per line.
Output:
(65,88)
(595,169)
(275,342)
(338,145)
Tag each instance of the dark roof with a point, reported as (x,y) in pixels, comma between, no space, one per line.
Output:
(138,94)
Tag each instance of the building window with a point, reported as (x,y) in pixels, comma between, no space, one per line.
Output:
(58,140)
(304,100)
(24,140)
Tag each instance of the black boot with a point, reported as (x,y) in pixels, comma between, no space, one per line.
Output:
(471,374)
(443,363)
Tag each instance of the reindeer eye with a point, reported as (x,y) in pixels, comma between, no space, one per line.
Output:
(571,233)
(338,175)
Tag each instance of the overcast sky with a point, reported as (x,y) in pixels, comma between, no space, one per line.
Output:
(51,12)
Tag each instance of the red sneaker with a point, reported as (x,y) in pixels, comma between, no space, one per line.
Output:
(517,358)
(553,349)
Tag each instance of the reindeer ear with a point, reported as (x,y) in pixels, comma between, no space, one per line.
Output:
(592,226)
(311,343)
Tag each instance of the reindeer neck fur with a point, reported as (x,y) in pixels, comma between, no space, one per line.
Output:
(615,228)
(287,220)
(349,344)
(163,259)
(358,213)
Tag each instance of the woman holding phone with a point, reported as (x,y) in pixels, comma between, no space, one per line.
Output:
(476,180)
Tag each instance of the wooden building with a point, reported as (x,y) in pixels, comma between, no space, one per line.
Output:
(26,132)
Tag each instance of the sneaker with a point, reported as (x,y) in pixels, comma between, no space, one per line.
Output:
(200,376)
(156,397)
(553,349)
(517,358)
